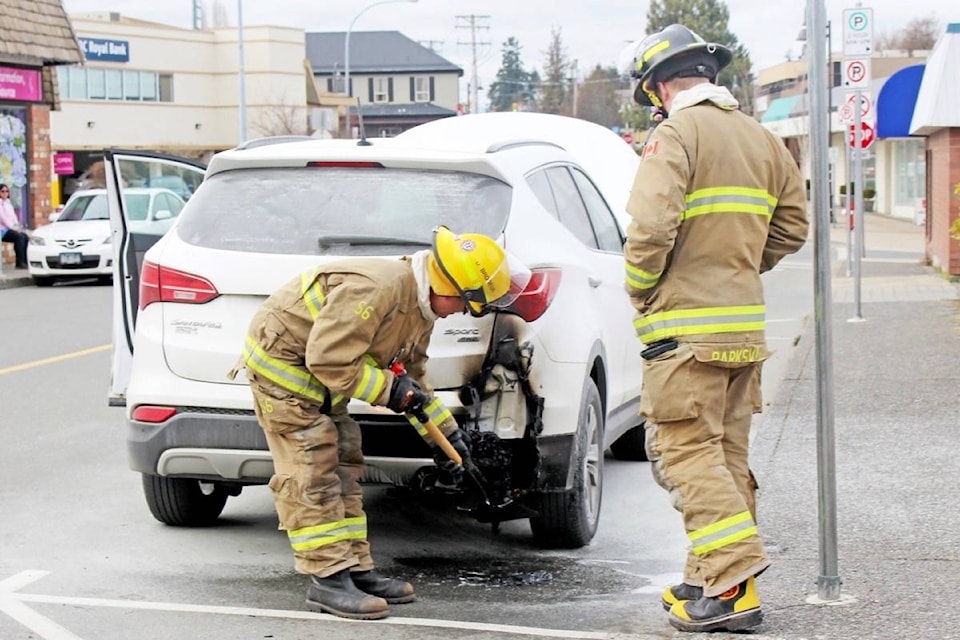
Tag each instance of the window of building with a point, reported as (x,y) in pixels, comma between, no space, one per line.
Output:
(114,84)
(910,173)
(421,90)
(148,86)
(78,83)
(96,84)
(166,87)
(381,90)
(131,85)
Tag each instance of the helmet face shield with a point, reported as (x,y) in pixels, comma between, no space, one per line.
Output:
(519,278)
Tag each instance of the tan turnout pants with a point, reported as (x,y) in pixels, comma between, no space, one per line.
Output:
(698,426)
(317,466)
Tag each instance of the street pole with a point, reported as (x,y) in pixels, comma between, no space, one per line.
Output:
(346,50)
(858,204)
(828,583)
(240,73)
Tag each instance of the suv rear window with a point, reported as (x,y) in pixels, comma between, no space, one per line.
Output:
(290,210)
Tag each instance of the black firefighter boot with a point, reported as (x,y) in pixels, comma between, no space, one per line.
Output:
(736,609)
(337,594)
(392,590)
(677,592)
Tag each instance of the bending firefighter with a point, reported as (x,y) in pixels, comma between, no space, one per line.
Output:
(717,201)
(330,335)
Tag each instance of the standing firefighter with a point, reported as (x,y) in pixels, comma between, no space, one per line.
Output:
(717,201)
(329,335)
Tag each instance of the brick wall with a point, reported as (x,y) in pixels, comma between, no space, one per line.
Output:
(944,206)
(38,172)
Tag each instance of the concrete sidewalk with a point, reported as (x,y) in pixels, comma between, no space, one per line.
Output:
(11,277)
(896,400)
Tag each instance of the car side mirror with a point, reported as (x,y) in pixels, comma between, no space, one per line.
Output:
(162,215)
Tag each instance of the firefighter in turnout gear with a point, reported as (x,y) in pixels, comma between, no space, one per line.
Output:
(717,201)
(330,335)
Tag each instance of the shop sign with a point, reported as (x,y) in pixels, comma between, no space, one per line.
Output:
(103,50)
(20,84)
(63,164)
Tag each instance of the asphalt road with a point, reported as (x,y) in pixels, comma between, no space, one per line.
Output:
(82,559)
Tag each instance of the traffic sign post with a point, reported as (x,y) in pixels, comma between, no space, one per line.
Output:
(857,50)
(850,100)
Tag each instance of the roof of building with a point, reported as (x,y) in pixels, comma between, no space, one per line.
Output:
(416,110)
(374,52)
(938,102)
(37,33)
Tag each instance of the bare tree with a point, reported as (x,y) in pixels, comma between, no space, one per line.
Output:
(282,119)
(919,34)
(553,95)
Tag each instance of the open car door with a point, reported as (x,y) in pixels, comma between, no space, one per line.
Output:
(136,228)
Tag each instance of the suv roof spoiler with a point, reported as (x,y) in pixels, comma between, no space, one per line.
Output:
(511,144)
(269,140)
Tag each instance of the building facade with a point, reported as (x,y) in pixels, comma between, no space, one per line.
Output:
(150,86)
(396,83)
(893,168)
(35,38)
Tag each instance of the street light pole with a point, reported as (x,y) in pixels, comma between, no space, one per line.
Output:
(346,43)
(240,80)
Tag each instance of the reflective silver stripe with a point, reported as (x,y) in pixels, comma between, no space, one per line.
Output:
(723,533)
(437,412)
(687,322)
(322,535)
(294,379)
(312,292)
(371,384)
(422,430)
(640,279)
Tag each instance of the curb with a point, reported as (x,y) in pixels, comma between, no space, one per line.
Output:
(16,280)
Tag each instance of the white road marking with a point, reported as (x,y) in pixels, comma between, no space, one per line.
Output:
(12,604)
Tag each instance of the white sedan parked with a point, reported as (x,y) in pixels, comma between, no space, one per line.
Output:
(78,243)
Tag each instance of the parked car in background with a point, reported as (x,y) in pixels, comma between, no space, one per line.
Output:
(78,243)
(544,389)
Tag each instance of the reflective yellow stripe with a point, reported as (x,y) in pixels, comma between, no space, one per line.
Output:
(312,292)
(321,535)
(694,322)
(371,382)
(437,412)
(729,200)
(655,49)
(723,533)
(640,279)
(295,379)
(422,430)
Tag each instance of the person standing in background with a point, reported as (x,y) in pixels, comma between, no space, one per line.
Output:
(10,228)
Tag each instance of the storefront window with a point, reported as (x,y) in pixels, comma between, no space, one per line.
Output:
(114,84)
(910,171)
(96,84)
(13,151)
(148,86)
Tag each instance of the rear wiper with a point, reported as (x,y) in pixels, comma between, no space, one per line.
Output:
(333,239)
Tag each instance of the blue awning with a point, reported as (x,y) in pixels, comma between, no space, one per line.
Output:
(896,102)
(780,109)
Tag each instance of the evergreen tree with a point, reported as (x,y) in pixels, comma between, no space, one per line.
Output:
(513,88)
(597,99)
(554,96)
(709,19)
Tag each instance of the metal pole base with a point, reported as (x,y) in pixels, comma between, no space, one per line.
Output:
(857,319)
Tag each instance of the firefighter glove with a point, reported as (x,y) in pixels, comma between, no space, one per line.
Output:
(461,442)
(406,395)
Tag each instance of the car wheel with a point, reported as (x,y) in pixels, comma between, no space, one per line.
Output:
(630,446)
(568,519)
(180,502)
(43,281)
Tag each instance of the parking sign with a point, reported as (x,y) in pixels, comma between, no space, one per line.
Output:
(857,32)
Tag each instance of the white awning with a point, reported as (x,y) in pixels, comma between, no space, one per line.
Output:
(938,103)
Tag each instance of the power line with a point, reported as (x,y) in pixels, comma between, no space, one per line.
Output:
(474,23)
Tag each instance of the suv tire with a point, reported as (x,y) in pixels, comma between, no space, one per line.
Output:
(631,446)
(568,519)
(181,502)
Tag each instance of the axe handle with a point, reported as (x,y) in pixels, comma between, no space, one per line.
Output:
(437,436)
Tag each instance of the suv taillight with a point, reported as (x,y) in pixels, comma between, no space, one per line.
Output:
(537,295)
(162,284)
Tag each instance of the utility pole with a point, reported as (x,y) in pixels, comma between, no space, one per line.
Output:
(474,24)
(198,14)
(433,45)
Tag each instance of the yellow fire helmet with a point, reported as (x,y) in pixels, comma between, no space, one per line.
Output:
(475,268)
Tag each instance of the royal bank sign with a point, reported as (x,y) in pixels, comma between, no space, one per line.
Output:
(102,50)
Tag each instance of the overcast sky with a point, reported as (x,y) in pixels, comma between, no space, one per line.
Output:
(593,31)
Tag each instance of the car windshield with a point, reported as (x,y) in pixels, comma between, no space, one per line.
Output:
(91,207)
(138,206)
(340,211)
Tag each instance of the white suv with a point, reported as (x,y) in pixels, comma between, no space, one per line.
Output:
(544,390)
